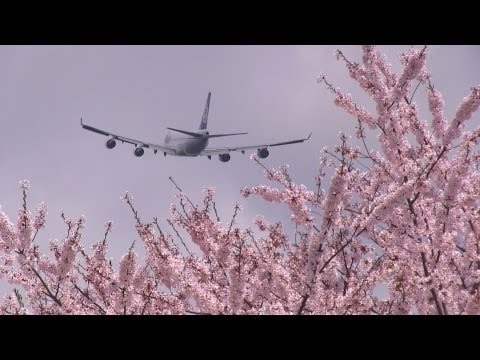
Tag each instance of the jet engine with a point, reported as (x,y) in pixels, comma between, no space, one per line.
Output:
(263,153)
(139,151)
(110,144)
(224,157)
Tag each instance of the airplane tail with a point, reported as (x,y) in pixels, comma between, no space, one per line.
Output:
(203,126)
(203,123)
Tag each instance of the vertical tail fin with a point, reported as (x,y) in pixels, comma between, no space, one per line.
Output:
(203,123)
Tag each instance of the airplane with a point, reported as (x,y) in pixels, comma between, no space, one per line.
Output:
(189,143)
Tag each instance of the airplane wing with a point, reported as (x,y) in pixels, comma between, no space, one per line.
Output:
(213,151)
(123,139)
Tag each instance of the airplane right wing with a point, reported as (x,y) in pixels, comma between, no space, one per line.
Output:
(213,151)
(139,145)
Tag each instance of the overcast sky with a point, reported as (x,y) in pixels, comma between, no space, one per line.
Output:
(137,91)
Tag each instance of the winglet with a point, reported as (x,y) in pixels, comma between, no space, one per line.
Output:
(308,137)
(81,122)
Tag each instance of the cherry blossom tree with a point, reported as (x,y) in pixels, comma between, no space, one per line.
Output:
(403,213)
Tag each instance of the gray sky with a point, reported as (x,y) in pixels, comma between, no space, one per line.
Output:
(137,91)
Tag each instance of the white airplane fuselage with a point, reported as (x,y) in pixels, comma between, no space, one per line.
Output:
(185,145)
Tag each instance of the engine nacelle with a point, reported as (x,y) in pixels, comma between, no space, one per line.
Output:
(139,151)
(224,157)
(263,153)
(110,144)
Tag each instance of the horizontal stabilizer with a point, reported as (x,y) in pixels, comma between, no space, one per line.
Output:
(187,132)
(207,135)
(220,135)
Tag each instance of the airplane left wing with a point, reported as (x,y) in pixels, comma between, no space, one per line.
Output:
(123,139)
(213,151)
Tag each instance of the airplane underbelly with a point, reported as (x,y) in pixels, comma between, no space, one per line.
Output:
(193,147)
